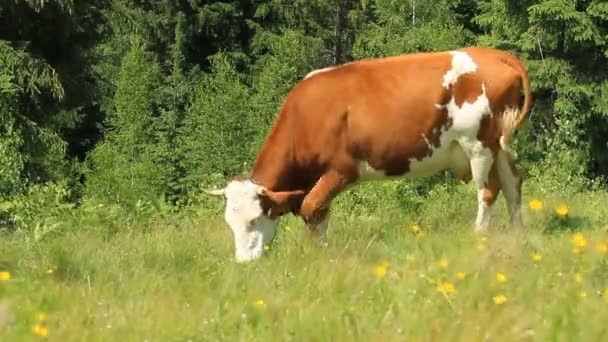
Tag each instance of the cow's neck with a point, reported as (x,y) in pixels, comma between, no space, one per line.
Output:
(275,166)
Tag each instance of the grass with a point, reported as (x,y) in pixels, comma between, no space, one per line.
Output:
(376,280)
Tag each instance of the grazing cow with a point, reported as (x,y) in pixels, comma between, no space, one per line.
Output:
(403,116)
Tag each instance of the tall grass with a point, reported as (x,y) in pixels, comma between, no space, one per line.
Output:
(174,279)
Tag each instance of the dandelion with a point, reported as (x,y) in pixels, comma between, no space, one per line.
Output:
(40,330)
(381,269)
(460,275)
(578,240)
(260,304)
(446,287)
(536,257)
(562,210)
(5,275)
(602,248)
(415,229)
(443,263)
(501,277)
(536,204)
(499,299)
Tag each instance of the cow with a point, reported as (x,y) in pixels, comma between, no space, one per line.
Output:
(408,116)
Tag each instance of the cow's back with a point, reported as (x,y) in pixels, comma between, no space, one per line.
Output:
(397,114)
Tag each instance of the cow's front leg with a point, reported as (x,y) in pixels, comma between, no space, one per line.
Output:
(318,225)
(315,206)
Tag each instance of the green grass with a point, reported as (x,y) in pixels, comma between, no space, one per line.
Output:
(168,282)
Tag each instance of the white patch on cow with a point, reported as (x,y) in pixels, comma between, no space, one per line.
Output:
(318,71)
(251,229)
(368,173)
(458,143)
(462,64)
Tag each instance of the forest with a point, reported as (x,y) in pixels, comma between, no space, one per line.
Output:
(127,102)
(116,116)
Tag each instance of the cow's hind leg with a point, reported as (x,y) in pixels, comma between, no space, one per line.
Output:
(485,176)
(511,181)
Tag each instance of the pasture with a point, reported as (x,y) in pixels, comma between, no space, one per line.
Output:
(388,276)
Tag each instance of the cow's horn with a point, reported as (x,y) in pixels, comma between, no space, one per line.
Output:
(218,192)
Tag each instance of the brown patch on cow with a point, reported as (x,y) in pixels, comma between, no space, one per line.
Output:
(489,132)
(398,164)
(492,187)
(468,88)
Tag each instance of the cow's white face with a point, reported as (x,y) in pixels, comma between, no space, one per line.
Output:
(252,230)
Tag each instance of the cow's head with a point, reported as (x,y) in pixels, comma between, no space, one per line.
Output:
(253,213)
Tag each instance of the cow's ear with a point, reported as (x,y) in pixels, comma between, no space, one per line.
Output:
(277,203)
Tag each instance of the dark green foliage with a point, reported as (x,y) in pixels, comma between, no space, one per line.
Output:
(158,99)
(131,164)
(564,44)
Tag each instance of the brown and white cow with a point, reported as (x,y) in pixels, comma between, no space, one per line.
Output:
(403,116)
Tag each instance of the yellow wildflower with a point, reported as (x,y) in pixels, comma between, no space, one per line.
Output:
(5,275)
(443,263)
(605,294)
(40,330)
(499,299)
(578,240)
(578,278)
(415,229)
(460,275)
(446,287)
(536,204)
(602,248)
(536,257)
(50,271)
(501,277)
(380,270)
(266,247)
(41,316)
(562,209)
(260,304)
(582,294)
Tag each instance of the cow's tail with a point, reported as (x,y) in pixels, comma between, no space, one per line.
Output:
(513,117)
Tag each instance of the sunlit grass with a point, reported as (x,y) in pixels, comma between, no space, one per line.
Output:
(392,276)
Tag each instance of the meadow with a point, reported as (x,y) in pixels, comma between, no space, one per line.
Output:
(389,275)
(116,114)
